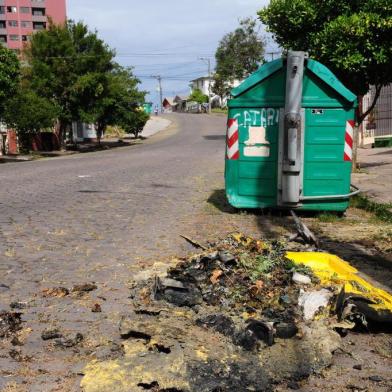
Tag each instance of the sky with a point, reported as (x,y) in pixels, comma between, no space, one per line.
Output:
(165,37)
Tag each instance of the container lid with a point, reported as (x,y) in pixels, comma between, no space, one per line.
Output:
(318,69)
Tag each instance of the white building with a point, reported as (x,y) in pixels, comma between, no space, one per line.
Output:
(82,132)
(203,83)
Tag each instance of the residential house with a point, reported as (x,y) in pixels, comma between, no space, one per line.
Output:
(180,102)
(205,84)
(168,105)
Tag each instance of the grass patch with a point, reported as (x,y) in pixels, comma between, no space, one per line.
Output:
(219,111)
(382,211)
(114,132)
(329,217)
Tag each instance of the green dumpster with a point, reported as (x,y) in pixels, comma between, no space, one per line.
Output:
(147,107)
(289,138)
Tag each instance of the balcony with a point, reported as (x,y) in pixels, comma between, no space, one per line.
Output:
(38,3)
(39,18)
(39,25)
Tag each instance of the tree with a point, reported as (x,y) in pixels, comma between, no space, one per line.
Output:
(353,38)
(9,76)
(28,114)
(120,103)
(198,96)
(221,87)
(240,52)
(133,121)
(68,64)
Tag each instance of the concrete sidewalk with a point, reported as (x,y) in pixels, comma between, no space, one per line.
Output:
(375,176)
(154,125)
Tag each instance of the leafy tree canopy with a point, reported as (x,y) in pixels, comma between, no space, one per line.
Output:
(220,86)
(9,75)
(352,37)
(240,52)
(28,113)
(121,102)
(198,96)
(69,65)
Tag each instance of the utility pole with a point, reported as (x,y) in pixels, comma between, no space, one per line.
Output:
(159,78)
(208,61)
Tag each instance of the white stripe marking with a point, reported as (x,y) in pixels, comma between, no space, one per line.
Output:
(350,130)
(233,129)
(232,150)
(348,151)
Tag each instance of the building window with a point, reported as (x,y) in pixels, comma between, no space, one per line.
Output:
(3,38)
(2,24)
(39,25)
(14,37)
(25,24)
(26,38)
(12,9)
(13,23)
(38,11)
(24,10)
(2,10)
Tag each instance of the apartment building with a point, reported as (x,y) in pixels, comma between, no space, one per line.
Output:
(21,18)
(18,20)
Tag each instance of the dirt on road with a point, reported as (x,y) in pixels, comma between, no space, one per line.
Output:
(77,232)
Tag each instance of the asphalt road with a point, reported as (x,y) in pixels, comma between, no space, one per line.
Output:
(96,217)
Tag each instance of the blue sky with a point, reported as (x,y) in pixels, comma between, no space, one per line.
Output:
(164,37)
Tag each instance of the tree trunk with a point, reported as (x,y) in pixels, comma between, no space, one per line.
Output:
(100,132)
(360,117)
(62,131)
(24,139)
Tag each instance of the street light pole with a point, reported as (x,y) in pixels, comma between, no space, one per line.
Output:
(208,60)
(159,78)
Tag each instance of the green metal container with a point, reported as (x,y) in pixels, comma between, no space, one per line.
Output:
(147,107)
(256,140)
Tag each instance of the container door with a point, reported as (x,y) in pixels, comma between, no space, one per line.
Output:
(257,161)
(326,169)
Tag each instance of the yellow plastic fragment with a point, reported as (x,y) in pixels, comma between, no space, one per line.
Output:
(333,271)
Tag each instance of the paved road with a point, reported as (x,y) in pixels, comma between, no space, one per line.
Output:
(376,172)
(95,217)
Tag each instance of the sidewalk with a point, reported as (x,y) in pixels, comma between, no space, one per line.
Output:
(375,176)
(154,125)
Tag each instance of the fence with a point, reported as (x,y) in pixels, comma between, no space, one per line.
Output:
(379,121)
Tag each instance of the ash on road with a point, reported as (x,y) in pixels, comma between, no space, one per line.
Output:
(76,231)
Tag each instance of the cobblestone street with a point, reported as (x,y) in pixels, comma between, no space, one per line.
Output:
(98,217)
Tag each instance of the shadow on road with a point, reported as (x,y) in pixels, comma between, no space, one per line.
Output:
(215,137)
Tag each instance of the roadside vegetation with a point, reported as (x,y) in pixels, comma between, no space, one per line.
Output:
(352,38)
(381,210)
(67,74)
(239,53)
